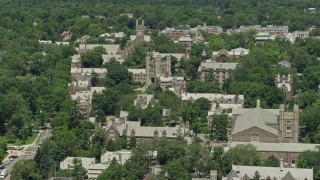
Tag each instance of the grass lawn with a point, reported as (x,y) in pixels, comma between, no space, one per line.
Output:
(19,142)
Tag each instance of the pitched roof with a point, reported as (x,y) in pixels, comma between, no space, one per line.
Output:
(209,96)
(217,66)
(274,172)
(146,38)
(110,48)
(137,71)
(256,117)
(280,147)
(146,131)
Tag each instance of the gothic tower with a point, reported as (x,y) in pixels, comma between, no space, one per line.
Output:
(289,124)
(139,32)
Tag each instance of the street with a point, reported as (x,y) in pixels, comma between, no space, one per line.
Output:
(28,152)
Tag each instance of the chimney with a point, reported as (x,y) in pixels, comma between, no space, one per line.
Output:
(236,98)
(258,103)
(213,175)
(296,107)
(281,164)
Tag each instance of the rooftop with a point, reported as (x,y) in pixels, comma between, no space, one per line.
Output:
(275,173)
(217,66)
(280,147)
(256,117)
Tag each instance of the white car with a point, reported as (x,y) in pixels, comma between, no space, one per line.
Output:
(19,148)
(10,159)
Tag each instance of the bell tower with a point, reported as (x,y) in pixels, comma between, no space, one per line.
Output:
(139,31)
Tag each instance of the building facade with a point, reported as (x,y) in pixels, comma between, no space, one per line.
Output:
(139,31)
(218,71)
(285,83)
(265,125)
(268,173)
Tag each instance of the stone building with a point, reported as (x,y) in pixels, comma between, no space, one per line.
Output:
(286,84)
(118,128)
(156,66)
(139,32)
(276,30)
(219,71)
(240,172)
(143,100)
(139,75)
(175,84)
(288,152)
(222,55)
(176,33)
(158,71)
(80,88)
(140,36)
(209,29)
(265,125)
(216,67)
(261,38)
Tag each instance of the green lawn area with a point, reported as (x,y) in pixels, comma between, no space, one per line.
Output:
(19,142)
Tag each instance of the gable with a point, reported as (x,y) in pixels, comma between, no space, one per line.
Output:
(288,176)
(254,134)
(232,175)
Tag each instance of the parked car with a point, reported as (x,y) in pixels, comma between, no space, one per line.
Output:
(2,166)
(10,159)
(19,148)
(3,173)
(6,163)
(13,156)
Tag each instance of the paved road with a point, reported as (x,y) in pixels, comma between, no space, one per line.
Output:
(28,152)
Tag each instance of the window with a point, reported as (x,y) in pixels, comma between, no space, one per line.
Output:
(288,128)
(254,138)
(288,122)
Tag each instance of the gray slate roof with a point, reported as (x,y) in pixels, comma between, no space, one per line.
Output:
(216,66)
(280,147)
(273,172)
(256,117)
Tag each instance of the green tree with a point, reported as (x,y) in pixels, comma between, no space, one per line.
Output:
(92,59)
(242,154)
(78,172)
(169,150)
(138,164)
(117,73)
(176,170)
(307,98)
(219,127)
(271,161)
(114,171)
(133,142)
(311,77)
(256,176)
(136,59)
(26,169)
(309,119)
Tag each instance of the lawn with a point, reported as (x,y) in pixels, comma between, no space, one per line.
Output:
(19,142)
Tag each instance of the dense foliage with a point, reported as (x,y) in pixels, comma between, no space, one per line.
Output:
(34,78)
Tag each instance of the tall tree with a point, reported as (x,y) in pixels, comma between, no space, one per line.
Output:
(26,169)
(114,171)
(219,127)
